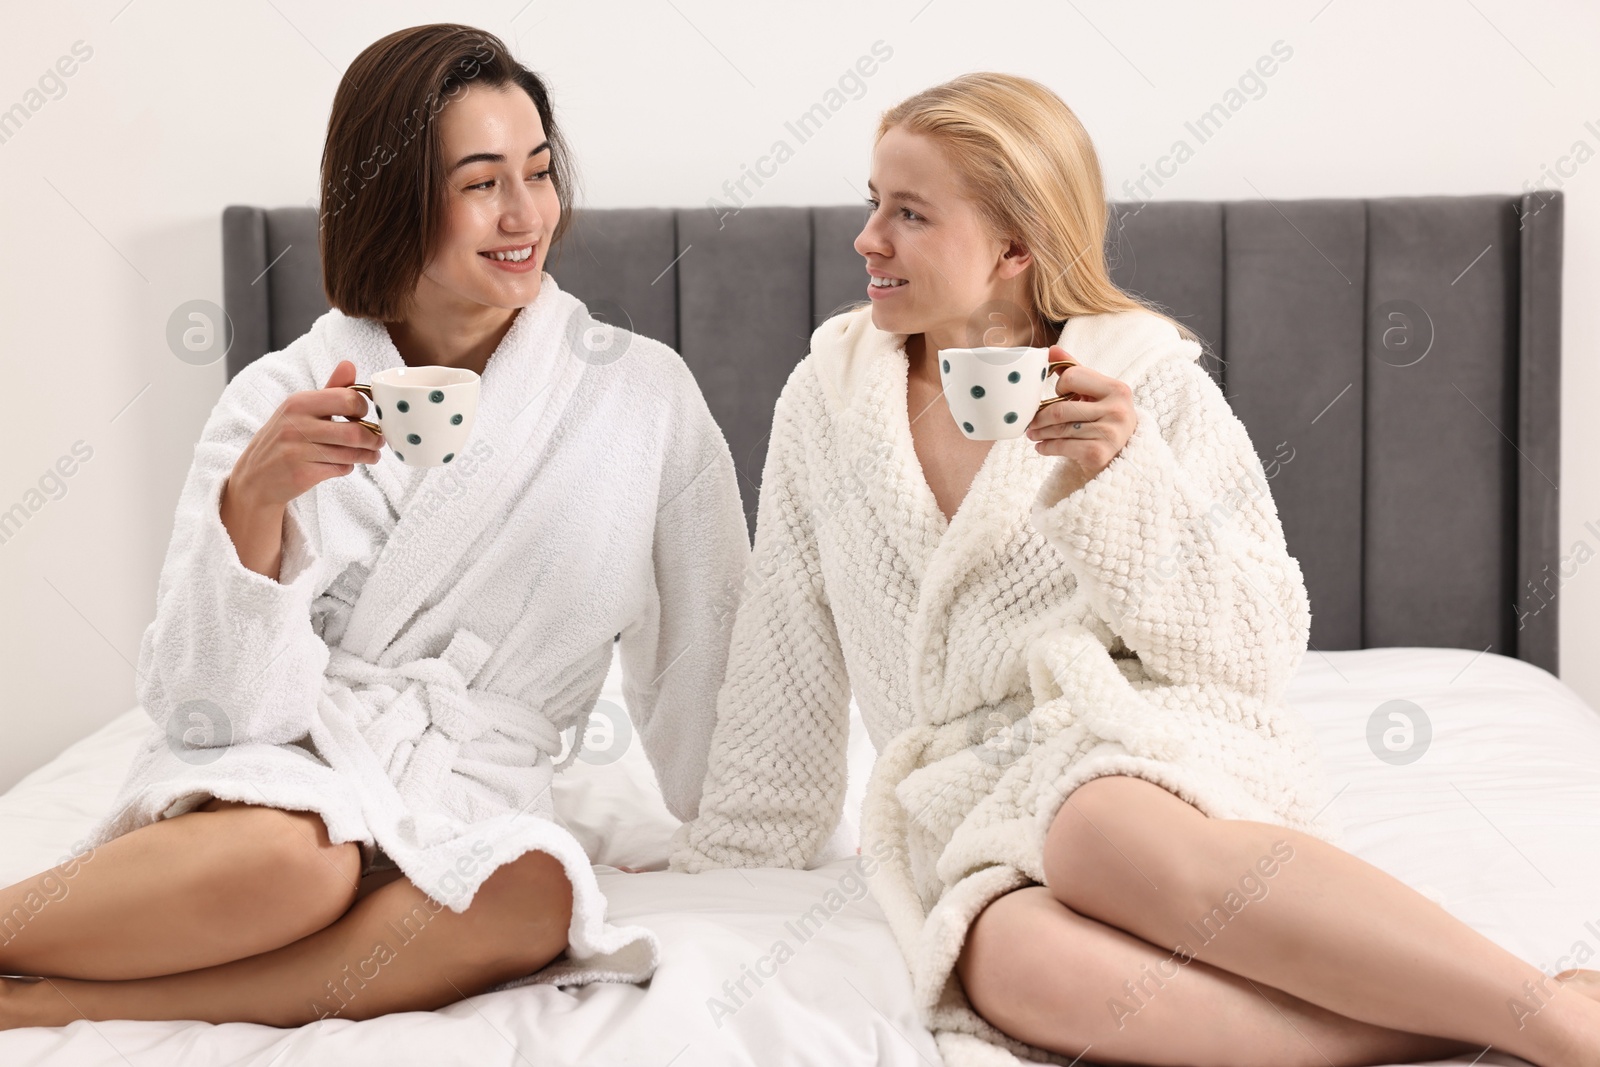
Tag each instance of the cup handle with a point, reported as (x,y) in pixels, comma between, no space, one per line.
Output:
(366,391)
(1059,365)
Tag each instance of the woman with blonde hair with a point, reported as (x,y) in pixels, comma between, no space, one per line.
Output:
(1102,833)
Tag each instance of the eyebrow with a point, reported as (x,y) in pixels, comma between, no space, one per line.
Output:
(910,198)
(494,157)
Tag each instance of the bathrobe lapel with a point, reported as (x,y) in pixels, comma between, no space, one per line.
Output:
(942,552)
(526,385)
(990,518)
(874,422)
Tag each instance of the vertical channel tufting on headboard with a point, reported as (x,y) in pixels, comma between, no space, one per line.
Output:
(1419,494)
(838,273)
(1439,541)
(615,261)
(293,274)
(744,319)
(1294,281)
(1538,425)
(244,257)
(1154,250)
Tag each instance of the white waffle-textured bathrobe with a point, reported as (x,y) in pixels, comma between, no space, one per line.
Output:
(1146,624)
(433,631)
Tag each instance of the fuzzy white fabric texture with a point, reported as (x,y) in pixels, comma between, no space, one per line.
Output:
(433,632)
(1147,624)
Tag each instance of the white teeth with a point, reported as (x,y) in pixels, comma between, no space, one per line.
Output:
(516,256)
(884,283)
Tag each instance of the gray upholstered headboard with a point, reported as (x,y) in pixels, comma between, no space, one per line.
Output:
(1397,362)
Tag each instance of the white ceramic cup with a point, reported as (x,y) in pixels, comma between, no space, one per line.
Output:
(423,413)
(994,393)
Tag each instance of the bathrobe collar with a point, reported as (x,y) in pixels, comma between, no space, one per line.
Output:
(525,386)
(862,371)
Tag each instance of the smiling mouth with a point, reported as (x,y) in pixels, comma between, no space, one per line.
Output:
(515,255)
(884,283)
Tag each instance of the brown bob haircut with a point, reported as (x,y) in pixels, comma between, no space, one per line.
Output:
(383,172)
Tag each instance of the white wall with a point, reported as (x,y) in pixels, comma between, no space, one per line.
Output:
(110,198)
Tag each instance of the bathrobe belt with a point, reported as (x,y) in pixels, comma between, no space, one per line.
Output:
(419,716)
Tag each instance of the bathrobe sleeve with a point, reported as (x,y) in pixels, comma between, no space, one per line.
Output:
(775,787)
(1178,545)
(231,656)
(674,655)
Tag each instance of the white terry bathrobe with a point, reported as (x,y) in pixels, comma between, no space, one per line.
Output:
(432,632)
(1146,624)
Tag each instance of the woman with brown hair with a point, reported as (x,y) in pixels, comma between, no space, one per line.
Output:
(360,670)
(1102,833)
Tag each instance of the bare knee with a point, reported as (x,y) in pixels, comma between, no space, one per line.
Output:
(1006,961)
(521,915)
(285,859)
(1119,839)
(986,964)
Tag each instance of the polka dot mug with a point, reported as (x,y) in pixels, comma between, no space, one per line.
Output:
(423,413)
(994,393)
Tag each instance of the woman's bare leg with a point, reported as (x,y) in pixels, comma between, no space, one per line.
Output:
(1046,975)
(395,950)
(1285,909)
(220,883)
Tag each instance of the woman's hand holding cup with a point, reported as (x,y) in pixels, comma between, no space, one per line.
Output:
(1091,422)
(300,446)
(998,393)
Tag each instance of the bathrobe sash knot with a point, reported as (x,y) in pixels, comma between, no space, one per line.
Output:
(416,723)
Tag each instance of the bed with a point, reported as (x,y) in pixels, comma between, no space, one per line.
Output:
(1457,759)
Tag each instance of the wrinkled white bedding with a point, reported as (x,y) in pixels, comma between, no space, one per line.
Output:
(1500,820)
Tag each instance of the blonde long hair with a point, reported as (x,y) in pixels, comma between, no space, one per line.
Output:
(1029,164)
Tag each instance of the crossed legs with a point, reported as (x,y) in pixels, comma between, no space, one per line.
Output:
(240,913)
(1161,938)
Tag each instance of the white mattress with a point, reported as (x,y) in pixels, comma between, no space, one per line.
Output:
(1499,820)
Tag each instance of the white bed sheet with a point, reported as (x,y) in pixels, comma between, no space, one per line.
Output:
(1500,820)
